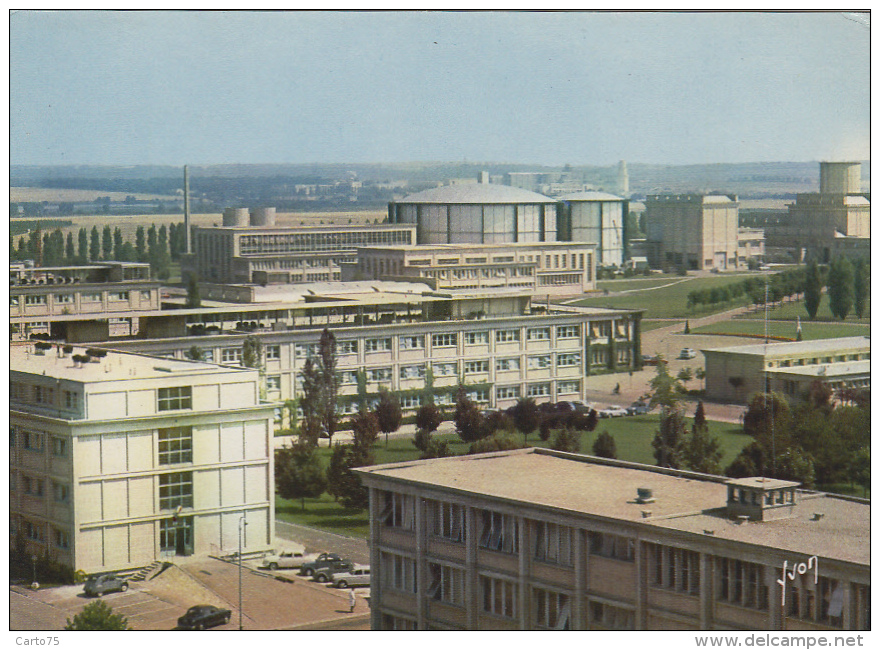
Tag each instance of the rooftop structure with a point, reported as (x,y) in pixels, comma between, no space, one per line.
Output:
(595,217)
(579,542)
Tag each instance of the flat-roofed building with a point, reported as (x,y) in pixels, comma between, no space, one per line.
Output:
(127,459)
(735,373)
(692,231)
(595,217)
(268,253)
(540,540)
(550,268)
(84,295)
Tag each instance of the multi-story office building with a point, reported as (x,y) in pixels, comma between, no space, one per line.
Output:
(126,459)
(588,543)
(549,268)
(265,253)
(692,231)
(76,300)
(734,373)
(404,336)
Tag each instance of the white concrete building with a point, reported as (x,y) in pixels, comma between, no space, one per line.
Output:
(128,459)
(595,217)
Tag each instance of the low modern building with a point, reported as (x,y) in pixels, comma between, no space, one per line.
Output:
(735,373)
(259,251)
(126,459)
(548,268)
(692,231)
(406,337)
(535,539)
(77,300)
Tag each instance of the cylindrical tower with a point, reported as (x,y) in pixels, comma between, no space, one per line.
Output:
(235,217)
(840,177)
(263,217)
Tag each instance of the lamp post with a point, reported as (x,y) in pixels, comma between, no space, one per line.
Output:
(242,522)
(34,584)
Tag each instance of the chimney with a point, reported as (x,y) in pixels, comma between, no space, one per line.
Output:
(644,495)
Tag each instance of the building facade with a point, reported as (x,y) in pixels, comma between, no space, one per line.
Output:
(127,459)
(583,543)
(546,268)
(84,295)
(260,252)
(692,231)
(735,373)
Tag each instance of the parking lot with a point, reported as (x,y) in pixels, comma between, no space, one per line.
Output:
(267,603)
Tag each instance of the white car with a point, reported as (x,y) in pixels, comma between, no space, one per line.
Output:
(612,412)
(357,576)
(687,353)
(292,557)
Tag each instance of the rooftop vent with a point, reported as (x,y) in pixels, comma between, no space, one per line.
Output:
(817,516)
(646,514)
(742,519)
(644,495)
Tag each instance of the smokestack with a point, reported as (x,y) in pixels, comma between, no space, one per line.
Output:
(187,249)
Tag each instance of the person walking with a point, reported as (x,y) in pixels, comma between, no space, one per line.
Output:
(352,601)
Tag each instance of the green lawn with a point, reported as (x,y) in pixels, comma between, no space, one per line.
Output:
(670,301)
(810,331)
(791,310)
(633,436)
(629,284)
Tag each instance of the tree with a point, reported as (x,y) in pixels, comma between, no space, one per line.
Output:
(193,297)
(82,246)
(605,447)
(69,250)
(566,439)
(320,387)
(701,452)
(667,442)
(767,419)
(106,243)
(195,353)
(813,290)
(469,422)
(665,389)
(388,412)
(700,373)
(436,449)
(98,616)
(498,441)
(365,429)
(860,468)
(592,420)
(140,244)
(861,286)
(428,418)
(525,416)
(342,483)
(685,375)
(117,244)
(252,353)
(299,473)
(840,287)
(94,245)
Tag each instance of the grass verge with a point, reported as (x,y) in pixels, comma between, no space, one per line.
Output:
(810,331)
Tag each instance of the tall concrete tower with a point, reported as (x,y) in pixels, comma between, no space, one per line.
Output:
(622,180)
(840,177)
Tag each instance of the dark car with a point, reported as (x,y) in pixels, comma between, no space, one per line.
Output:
(200,617)
(104,583)
(325,561)
(327,573)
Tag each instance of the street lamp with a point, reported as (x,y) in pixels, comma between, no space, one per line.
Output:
(34,584)
(242,522)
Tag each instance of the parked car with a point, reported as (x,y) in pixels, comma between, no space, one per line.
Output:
(637,408)
(650,359)
(324,561)
(357,576)
(104,583)
(581,407)
(328,573)
(613,411)
(292,557)
(200,617)
(687,353)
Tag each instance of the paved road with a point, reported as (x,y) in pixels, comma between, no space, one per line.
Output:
(317,541)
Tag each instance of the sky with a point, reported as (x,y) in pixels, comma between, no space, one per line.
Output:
(168,88)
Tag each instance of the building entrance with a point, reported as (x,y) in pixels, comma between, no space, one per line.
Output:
(176,536)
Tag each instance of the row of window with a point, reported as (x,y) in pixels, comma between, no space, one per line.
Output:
(69,298)
(37,533)
(35,441)
(45,395)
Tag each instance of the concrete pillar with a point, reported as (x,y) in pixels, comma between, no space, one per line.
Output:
(522,542)
(707,586)
(376,582)
(471,585)
(578,615)
(421,564)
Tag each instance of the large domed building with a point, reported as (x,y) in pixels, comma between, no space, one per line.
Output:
(477,213)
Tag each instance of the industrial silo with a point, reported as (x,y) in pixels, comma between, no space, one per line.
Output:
(235,217)
(263,217)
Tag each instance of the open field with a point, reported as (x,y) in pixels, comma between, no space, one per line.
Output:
(633,436)
(39,194)
(670,301)
(791,310)
(128,224)
(809,330)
